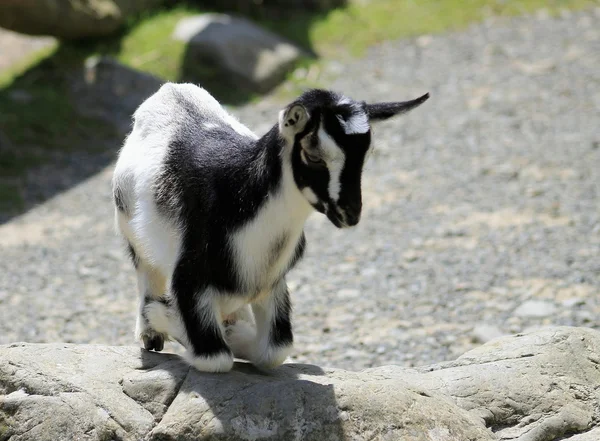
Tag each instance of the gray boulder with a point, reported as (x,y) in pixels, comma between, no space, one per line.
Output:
(106,90)
(70,19)
(540,386)
(236,50)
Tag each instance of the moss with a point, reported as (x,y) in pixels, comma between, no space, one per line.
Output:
(5,429)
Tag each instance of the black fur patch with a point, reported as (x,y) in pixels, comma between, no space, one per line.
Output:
(214,186)
(299,252)
(277,248)
(132,254)
(281,326)
(119,202)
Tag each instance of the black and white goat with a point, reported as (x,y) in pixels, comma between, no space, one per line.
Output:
(214,215)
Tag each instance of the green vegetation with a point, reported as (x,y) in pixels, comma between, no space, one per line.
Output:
(44,122)
(352,29)
(146,44)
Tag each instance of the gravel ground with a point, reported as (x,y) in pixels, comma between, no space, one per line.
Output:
(481,216)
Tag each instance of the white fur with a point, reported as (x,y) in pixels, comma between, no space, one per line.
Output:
(219,363)
(166,321)
(335,158)
(151,284)
(287,131)
(272,356)
(344,100)
(241,337)
(310,195)
(264,354)
(285,214)
(358,123)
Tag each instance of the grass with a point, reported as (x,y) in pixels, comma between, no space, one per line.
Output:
(361,24)
(45,122)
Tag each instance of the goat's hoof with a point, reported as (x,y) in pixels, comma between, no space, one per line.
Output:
(222,362)
(153,341)
(240,337)
(272,356)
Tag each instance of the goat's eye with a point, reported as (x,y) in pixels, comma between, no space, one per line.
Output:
(313,159)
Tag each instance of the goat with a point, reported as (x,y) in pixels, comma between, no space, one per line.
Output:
(214,215)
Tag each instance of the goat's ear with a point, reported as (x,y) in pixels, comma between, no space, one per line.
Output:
(292,120)
(381,111)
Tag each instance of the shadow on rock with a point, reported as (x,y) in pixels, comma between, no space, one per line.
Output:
(64,120)
(293,401)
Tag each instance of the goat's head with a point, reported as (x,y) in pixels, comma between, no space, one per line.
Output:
(330,137)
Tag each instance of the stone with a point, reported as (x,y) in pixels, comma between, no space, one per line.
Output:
(482,333)
(109,91)
(535,308)
(573,301)
(526,387)
(242,53)
(70,19)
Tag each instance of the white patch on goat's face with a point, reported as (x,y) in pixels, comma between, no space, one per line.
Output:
(335,158)
(345,100)
(356,124)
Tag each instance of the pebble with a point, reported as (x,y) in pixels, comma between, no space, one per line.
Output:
(483,333)
(572,302)
(535,308)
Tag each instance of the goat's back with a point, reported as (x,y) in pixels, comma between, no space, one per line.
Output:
(180,122)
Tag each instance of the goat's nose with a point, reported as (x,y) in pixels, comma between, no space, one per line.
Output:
(352,212)
(353,209)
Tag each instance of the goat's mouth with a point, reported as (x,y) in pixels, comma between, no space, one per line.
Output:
(337,219)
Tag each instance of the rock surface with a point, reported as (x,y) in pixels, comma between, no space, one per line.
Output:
(70,19)
(540,386)
(243,53)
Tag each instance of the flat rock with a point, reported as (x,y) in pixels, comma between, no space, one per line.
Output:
(539,386)
(243,53)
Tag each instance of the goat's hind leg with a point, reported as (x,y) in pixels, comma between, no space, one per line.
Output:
(151,287)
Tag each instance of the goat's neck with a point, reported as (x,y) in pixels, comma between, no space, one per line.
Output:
(271,148)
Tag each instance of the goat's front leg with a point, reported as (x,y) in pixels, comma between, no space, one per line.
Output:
(274,338)
(200,316)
